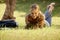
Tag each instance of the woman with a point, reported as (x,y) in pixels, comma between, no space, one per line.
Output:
(35,19)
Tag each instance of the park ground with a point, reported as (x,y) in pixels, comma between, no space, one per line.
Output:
(48,33)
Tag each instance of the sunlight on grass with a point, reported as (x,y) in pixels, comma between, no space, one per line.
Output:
(39,34)
(2,9)
(20,18)
(56,20)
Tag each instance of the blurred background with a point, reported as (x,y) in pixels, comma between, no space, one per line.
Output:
(23,7)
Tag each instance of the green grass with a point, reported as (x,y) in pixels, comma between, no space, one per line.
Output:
(48,33)
(38,34)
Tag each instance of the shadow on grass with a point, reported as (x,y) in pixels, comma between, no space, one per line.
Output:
(22,7)
(22,15)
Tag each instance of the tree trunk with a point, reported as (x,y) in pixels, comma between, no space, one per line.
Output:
(9,11)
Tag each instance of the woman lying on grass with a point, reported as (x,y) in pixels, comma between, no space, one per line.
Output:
(35,19)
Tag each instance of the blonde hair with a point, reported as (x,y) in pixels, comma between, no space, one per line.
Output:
(35,6)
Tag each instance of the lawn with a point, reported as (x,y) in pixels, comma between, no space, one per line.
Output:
(38,34)
(48,33)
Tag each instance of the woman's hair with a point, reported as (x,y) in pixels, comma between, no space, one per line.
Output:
(35,6)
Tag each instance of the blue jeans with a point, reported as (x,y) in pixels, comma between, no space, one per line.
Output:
(48,17)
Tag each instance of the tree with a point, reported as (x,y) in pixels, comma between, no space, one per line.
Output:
(9,11)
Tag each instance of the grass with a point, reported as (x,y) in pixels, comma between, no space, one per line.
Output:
(48,33)
(38,34)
